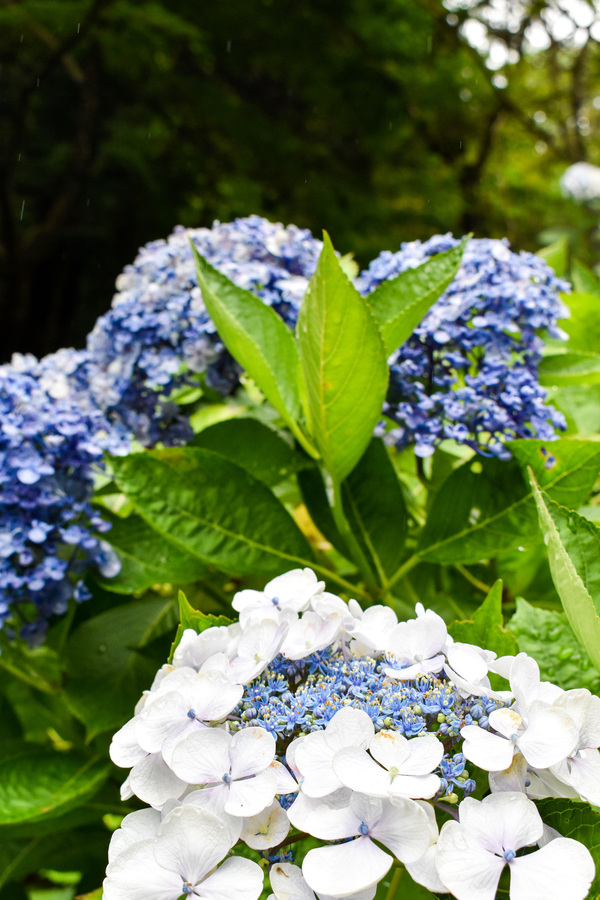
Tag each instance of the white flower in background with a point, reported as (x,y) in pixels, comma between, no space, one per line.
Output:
(581,768)
(194,649)
(581,181)
(150,778)
(235,769)
(181,859)
(288,883)
(472,853)
(338,870)
(313,754)
(397,767)
(424,870)
(140,825)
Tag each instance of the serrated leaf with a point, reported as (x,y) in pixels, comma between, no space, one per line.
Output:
(577,602)
(147,557)
(213,509)
(486,629)
(571,367)
(195,619)
(107,671)
(401,303)
(375,508)
(255,447)
(38,784)
(485,507)
(255,336)
(344,365)
(577,821)
(547,637)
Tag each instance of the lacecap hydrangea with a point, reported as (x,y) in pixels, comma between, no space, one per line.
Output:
(312,717)
(52,436)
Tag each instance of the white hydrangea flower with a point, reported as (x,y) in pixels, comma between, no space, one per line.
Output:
(472,853)
(288,883)
(310,634)
(418,644)
(292,591)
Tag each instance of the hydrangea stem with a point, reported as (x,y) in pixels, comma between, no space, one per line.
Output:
(345,531)
(394,883)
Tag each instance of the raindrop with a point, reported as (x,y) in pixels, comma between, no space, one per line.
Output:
(22,210)
(102,648)
(546,539)
(78,27)
(229,46)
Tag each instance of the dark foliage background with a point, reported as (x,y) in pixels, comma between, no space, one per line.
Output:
(373,118)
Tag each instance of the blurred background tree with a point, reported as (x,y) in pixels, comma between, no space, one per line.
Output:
(382,120)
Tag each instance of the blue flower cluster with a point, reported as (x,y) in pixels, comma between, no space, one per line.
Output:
(292,698)
(470,370)
(158,330)
(51,438)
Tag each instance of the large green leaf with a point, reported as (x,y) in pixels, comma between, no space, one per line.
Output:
(401,303)
(583,327)
(585,281)
(572,367)
(38,784)
(376,511)
(147,557)
(485,507)
(487,626)
(578,821)
(572,575)
(255,447)
(255,336)
(547,636)
(557,255)
(315,499)
(213,509)
(344,366)
(107,671)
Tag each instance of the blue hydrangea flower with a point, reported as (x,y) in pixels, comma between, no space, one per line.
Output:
(158,329)
(51,439)
(470,370)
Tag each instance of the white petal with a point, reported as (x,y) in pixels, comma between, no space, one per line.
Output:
(424,755)
(424,871)
(349,727)
(251,751)
(507,722)
(125,748)
(310,634)
(328,818)
(288,883)
(467,662)
(390,748)
(583,773)
(488,751)
(216,697)
(358,771)
(137,826)
(153,781)
(563,868)
(167,715)
(237,877)
(267,829)
(285,782)
(403,828)
(419,787)
(213,799)
(346,868)
(203,757)
(524,681)
(513,778)
(136,875)
(313,757)
(584,709)
(469,872)
(251,795)
(191,842)
(295,588)
(551,735)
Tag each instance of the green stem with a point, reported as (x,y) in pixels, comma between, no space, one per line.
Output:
(406,566)
(480,585)
(302,439)
(354,547)
(393,888)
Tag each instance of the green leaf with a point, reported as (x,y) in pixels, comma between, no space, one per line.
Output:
(213,509)
(147,557)
(578,821)
(572,367)
(485,506)
(255,336)
(38,784)
(585,281)
(314,495)
(487,627)
(107,671)
(376,511)
(401,303)
(583,327)
(556,255)
(547,637)
(570,579)
(344,366)
(195,619)
(255,447)
(39,667)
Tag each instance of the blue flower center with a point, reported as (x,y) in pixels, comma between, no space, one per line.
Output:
(226,778)
(363,829)
(191,713)
(509,855)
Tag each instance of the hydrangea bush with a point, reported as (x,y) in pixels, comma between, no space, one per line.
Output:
(311,718)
